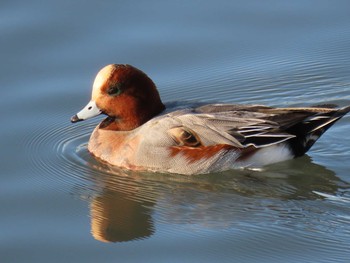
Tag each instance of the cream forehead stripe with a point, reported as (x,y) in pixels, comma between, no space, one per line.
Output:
(102,76)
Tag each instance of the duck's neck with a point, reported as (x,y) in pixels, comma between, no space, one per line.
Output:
(131,120)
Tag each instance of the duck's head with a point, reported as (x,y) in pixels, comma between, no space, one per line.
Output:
(124,93)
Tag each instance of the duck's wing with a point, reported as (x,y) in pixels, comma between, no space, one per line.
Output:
(254,125)
(235,125)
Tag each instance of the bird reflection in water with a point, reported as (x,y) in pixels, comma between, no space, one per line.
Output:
(117,218)
(122,205)
(116,215)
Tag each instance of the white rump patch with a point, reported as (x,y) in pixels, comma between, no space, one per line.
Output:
(268,155)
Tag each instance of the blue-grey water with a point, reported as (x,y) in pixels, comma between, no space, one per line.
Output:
(60,205)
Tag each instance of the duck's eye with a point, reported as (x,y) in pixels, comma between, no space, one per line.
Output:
(115,89)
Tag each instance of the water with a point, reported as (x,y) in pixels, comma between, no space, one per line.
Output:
(60,205)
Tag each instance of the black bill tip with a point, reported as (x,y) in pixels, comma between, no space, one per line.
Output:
(75,119)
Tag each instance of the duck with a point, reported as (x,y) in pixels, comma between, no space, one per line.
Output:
(140,133)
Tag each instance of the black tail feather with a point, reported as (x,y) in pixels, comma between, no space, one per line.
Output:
(310,130)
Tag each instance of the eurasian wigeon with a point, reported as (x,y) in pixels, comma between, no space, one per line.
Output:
(141,133)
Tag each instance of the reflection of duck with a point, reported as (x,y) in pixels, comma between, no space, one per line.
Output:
(122,206)
(139,134)
(116,216)
(298,179)
(220,201)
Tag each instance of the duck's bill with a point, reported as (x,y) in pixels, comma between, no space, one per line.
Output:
(89,111)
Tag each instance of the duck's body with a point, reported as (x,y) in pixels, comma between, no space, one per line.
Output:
(140,134)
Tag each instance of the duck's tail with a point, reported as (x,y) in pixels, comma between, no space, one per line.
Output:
(310,129)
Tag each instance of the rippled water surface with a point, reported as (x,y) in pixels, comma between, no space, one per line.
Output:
(58,204)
